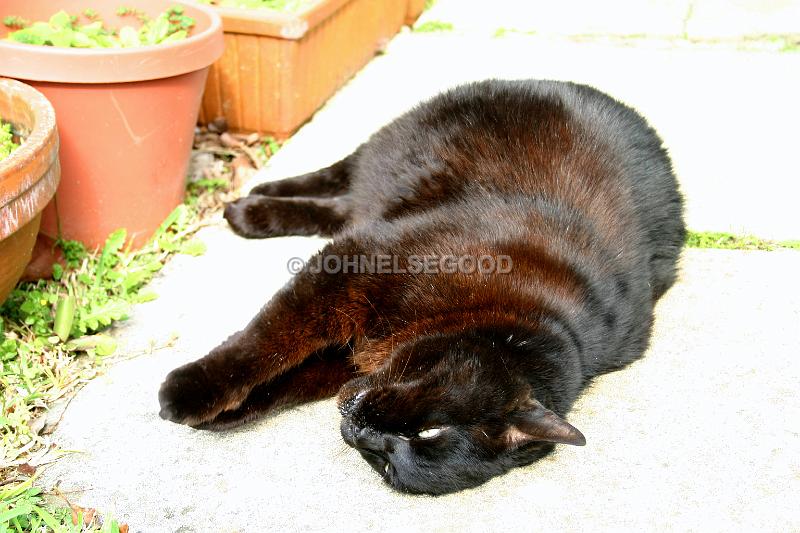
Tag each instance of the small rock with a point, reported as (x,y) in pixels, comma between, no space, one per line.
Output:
(199,162)
(218,125)
(229,141)
(26,469)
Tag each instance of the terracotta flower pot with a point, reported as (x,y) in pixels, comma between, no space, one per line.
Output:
(415,9)
(28,177)
(125,117)
(279,68)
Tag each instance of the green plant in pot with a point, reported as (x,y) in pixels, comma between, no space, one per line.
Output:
(29,174)
(126,83)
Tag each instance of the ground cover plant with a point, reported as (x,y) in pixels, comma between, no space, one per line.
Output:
(89,31)
(730,241)
(56,333)
(433,26)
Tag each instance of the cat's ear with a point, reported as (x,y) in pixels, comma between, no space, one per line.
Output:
(535,422)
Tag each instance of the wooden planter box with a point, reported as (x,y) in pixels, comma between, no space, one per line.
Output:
(279,68)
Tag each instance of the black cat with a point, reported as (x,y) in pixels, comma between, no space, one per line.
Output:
(493,250)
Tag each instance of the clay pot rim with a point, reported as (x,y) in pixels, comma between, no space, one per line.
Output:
(282,25)
(117,65)
(38,178)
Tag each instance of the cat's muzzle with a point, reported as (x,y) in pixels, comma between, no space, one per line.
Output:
(348,406)
(368,442)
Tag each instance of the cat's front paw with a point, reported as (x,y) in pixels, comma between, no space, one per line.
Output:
(187,396)
(266,189)
(251,217)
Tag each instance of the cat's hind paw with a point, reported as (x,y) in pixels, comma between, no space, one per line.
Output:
(252,217)
(187,396)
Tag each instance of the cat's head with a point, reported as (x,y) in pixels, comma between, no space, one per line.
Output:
(448,413)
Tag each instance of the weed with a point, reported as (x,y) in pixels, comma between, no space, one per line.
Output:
(433,26)
(54,334)
(729,241)
(790,45)
(502,32)
(22,508)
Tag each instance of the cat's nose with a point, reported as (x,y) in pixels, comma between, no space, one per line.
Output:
(361,438)
(368,439)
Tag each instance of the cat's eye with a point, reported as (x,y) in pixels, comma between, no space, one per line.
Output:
(429,433)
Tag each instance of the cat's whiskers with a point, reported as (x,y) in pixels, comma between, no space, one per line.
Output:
(500,354)
(402,372)
(382,319)
(343,448)
(347,315)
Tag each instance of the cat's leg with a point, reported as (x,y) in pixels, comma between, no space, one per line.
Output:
(314,311)
(318,377)
(331,181)
(260,217)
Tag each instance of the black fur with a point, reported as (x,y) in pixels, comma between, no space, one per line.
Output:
(448,379)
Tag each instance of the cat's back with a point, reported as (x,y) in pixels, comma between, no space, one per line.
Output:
(562,141)
(570,184)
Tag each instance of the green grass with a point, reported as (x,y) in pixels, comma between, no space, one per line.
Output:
(502,32)
(783,43)
(433,26)
(46,325)
(22,508)
(54,337)
(53,340)
(729,241)
(790,45)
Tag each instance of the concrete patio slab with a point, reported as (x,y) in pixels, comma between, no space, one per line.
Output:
(729,118)
(569,17)
(697,19)
(702,434)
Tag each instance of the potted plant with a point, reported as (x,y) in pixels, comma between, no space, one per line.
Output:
(281,65)
(126,115)
(29,174)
